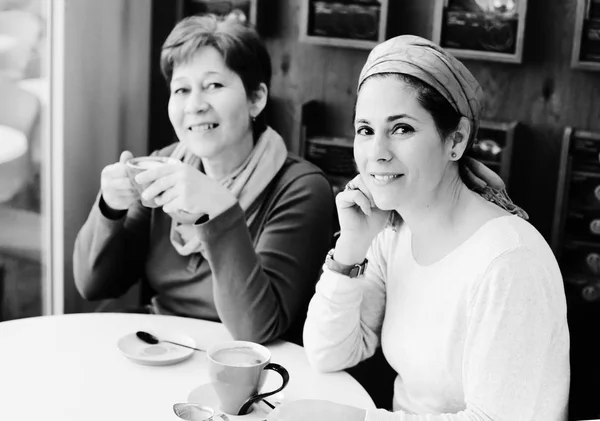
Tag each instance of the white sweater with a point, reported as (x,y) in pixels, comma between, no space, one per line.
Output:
(479,335)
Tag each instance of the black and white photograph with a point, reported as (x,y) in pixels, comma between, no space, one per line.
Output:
(299,210)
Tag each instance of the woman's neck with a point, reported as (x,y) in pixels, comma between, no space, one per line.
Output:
(228,161)
(436,221)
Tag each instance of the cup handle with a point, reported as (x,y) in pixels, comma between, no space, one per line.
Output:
(285,377)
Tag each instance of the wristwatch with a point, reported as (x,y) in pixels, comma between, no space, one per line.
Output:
(352,271)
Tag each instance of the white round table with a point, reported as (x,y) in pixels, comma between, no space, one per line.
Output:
(69,368)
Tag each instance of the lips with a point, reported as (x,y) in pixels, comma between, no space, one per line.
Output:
(203,127)
(383,179)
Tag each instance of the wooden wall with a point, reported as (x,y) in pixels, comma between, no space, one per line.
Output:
(543,92)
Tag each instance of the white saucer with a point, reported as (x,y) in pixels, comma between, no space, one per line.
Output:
(162,353)
(205,395)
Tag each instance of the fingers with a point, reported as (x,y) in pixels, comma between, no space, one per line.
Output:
(362,186)
(149,176)
(158,186)
(167,197)
(125,156)
(115,176)
(350,198)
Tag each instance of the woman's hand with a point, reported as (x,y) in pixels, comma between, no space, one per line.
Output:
(116,188)
(315,410)
(184,191)
(360,222)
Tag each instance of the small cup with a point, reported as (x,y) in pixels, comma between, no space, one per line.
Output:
(137,165)
(236,372)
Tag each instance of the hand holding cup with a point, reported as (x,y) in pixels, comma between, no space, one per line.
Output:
(135,166)
(115,186)
(184,192)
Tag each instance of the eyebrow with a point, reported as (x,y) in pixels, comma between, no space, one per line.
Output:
(391,118)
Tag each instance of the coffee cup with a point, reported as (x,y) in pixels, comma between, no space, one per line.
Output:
(237,372)
(137,165)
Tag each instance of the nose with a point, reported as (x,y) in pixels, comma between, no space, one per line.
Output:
(379,149)
(195,103)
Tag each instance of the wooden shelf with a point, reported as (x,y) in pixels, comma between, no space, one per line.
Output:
(582,16)
(345,42)
(439,28)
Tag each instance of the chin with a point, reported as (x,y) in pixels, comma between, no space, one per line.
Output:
(201,149)
(386,204)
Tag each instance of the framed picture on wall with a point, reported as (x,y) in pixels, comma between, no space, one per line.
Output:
(586,41)
(347,23)
(491,30)
(243,10)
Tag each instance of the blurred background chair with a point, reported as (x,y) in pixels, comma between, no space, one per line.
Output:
(20,32)
(19,228)
(19,115)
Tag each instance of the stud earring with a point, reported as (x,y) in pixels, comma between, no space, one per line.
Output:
(453,155)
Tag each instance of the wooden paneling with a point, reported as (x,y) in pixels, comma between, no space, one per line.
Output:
(543,92)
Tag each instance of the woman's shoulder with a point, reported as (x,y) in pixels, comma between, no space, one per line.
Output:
(300,172)
(513,242)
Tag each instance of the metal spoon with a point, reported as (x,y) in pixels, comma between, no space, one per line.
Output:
(153,340)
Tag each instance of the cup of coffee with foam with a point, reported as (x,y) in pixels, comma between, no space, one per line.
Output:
(237,373)
(137,165)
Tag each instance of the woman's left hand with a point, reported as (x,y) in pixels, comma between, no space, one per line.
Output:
(315,410)
(180,188)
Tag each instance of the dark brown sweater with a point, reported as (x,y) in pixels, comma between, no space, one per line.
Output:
(256,279)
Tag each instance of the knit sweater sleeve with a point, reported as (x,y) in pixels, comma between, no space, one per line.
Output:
(108,257)
(261,288)
(345,316)
(516,336)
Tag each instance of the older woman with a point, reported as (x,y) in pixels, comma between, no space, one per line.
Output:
(463,295)
(243,226)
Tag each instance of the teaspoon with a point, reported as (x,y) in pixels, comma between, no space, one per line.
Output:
(153,340)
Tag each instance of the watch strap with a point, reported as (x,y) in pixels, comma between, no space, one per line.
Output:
(352,271)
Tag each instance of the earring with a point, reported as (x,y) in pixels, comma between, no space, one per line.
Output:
(253,119)
(453,155)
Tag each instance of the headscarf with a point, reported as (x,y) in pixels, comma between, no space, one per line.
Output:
(428,62)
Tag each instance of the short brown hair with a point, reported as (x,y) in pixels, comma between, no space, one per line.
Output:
(240,45)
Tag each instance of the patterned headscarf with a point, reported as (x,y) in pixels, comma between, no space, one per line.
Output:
(428,62)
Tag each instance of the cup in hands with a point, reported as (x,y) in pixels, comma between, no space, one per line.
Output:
(137,165)
(237,372)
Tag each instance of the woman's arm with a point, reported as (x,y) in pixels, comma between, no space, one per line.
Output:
(345,316)
(109,253)
(260,289)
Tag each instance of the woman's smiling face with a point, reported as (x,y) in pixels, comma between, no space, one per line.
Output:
(209,107)
(397,146)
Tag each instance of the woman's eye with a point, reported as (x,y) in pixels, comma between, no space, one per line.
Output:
(179,91)
(364,131)
(212,86)
(402,129)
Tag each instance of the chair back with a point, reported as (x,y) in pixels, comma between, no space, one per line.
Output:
(24,29)
(19,108)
